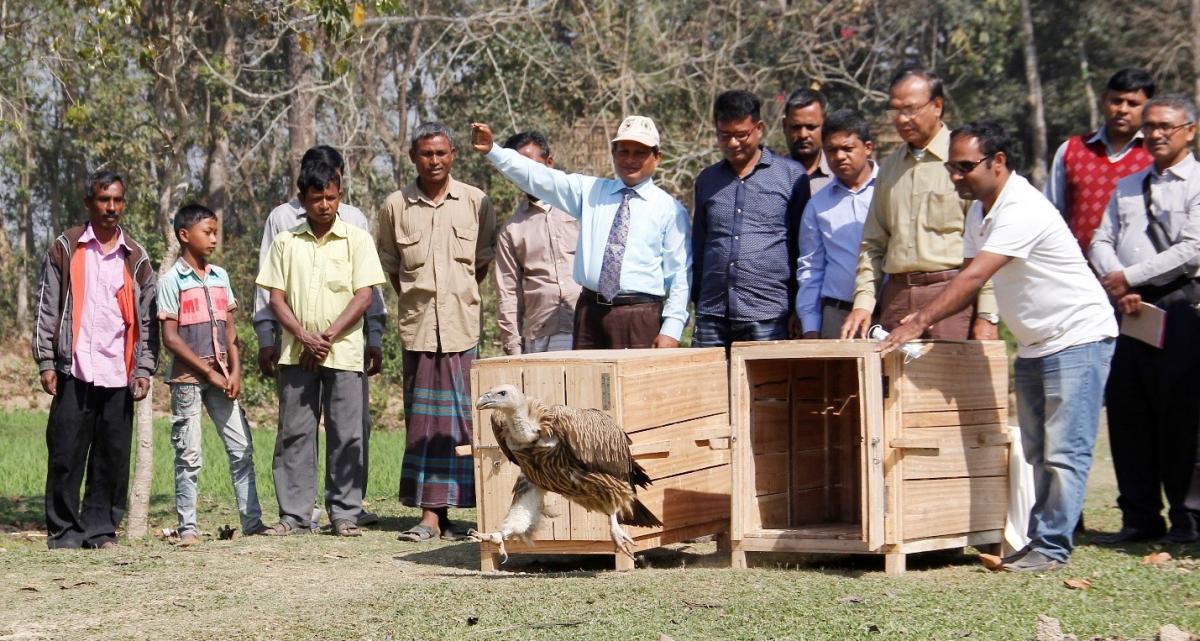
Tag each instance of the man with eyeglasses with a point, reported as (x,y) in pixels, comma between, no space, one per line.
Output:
(1148,250)
(745,232)
(1088,166)
(1058,313)
(912,239)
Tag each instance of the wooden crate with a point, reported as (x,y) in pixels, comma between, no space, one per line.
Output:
(837,450)
(673,403)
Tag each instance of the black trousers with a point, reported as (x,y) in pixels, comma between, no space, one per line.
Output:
(90,430)
(1153,401)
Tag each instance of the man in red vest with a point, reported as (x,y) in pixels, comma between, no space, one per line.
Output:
(1087,167)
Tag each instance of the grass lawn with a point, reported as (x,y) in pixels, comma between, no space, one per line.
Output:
(379,588)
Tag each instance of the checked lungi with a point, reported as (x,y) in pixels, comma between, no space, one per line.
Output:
(437,416)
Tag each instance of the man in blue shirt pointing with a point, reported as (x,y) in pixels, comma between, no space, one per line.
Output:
(633,257)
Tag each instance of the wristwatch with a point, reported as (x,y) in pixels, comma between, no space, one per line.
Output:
(991,317)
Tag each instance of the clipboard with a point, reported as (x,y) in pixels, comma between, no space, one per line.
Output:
(1149,325)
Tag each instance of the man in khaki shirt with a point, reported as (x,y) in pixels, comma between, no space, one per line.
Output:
(913,232)
(535,253)
(436,241)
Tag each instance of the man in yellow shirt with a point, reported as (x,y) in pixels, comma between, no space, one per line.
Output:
(913,232)
(319,275)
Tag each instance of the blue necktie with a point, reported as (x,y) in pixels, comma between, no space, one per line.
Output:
(614,251)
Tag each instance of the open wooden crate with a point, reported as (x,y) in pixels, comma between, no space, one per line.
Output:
(674,403)
(838,450)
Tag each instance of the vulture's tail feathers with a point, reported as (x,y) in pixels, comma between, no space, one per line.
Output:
(638,476)
(639,515)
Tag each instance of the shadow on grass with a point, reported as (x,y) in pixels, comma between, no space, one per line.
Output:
(23,512)
(858,565)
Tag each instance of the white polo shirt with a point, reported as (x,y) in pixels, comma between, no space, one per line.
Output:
(1047,296)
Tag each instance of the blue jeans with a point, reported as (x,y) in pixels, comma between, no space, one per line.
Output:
(186,399)
(1058,404)
(716,331)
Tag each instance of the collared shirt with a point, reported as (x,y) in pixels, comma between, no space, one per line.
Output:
(1047,296)
(915,223)
(200,303)
(288,216)
(319,277)
(744,238)
(1121,243)
(99,356)
(822,175)
(657,259)
(1056,182)
(830,233)
(535,253)
(435,250)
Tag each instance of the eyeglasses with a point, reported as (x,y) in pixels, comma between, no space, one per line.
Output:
(908,113)
(964,167)
(740,136)
(1167,130)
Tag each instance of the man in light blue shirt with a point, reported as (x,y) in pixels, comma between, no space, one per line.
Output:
(633,257)
(831,228)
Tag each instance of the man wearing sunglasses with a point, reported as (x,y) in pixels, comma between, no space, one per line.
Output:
(1058,313)
(912,239)
(1148,251)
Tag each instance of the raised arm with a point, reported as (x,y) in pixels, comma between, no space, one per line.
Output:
(556,187)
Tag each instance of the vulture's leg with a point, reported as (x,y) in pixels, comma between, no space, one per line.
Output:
(619,536)
(523,516)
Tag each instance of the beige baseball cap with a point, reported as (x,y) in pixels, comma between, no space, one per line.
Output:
(638,129)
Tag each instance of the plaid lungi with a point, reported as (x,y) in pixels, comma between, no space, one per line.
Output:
(437,416)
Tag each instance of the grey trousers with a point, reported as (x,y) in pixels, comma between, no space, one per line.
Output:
(303,398)
(831,320)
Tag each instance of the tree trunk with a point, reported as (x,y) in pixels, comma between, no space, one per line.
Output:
(1196,48)
(216,178)
(25,231)
(138,519)
(1088,91)
(302,122)
(1037,112)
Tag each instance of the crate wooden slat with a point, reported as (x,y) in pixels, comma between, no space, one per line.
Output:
(673,403)
(839,450)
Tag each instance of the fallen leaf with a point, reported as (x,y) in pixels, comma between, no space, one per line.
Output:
(28,588)
(1171,632)
(663,637)
(694,605)
(77,585)
(991,562)
(123,562)
(1156,558)
(1077,584)
(851,599)
(871,627)
(334,556)
(1048,629)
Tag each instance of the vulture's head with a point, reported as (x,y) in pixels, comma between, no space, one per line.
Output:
(505,398)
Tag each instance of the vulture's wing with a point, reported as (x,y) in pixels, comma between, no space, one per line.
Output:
(500,430)
(593,437)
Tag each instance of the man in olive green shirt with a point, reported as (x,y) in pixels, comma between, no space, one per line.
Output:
(320,275)
(913,232)
(436,240)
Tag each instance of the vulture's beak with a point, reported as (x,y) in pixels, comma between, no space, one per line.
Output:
(485,401)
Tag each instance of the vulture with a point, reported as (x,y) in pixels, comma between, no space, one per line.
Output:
(582,454)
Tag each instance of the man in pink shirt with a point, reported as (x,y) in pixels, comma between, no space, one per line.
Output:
(96,347)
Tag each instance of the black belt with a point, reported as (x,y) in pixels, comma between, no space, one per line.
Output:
(589,296)
(838,303)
